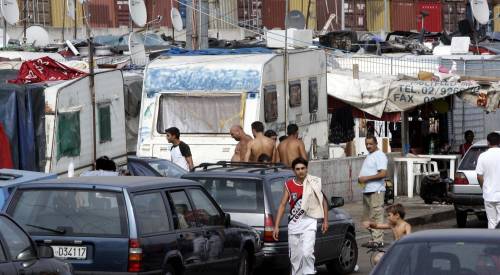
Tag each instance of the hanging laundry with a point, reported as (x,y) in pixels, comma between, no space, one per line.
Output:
(342,125)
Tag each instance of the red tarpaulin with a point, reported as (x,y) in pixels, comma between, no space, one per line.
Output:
(45,69)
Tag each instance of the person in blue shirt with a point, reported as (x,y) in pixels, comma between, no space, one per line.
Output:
(371,178)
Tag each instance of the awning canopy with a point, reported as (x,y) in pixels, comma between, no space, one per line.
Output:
(375,94)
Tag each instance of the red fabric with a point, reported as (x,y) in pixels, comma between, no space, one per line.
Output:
(45,69)
(5,154)
(295,192)
(464,147)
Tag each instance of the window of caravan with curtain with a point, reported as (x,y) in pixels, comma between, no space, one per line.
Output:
(201,113)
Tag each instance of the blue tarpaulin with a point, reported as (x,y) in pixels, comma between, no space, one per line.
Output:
(22,115)
(179,51)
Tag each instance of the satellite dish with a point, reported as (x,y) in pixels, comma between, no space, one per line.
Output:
(137,50)
(481,11)
(10,11)
(295,19)
(1,38)
(175,15)
(37,36)
(70,9)
(138,12)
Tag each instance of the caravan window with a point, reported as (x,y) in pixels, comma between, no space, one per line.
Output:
(68,134)
(313,95)
(270,103)
(200,113)
(294,88)
(104,123)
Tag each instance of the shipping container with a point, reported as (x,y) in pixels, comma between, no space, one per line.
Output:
(161,8)
(227,10)
(122,13)
(273,14)
(308,9)
(39,10)
(250,13)
(323,10)
(453,12)
(355,15)
(496,12)
(434,21)
(403,15)
(376,16)
(60,16)
(102,14)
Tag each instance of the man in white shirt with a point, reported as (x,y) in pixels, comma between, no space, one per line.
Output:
(371,177)
(180,152)
(488,175)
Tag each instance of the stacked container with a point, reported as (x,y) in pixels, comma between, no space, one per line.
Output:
(39,10)
(496,14)
(323,11)
(103,14)
(227,10)
(161,8)
(403,15)
(375,15)
(250,13)
(355,15)
(453,12)
(434,21)
(273,14)
(60,14)
(122,13)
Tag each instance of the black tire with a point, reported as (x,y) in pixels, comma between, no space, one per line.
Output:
(482,216)
(348,258)
(169,270)
(245,265)
(461,218)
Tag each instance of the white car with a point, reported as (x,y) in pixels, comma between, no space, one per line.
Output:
(465,192)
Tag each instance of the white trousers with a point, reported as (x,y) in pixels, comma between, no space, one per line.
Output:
(301,249)
(492,212)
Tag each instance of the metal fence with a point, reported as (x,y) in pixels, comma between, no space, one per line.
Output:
(475,66)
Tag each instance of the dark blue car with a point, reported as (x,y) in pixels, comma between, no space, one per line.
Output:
(10,178)
(134,225)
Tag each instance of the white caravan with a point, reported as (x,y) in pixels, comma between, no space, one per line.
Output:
(69,122)
(205,95)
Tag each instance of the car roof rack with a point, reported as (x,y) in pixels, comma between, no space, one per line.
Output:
(262,167)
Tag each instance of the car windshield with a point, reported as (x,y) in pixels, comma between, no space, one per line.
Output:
(167,168)
(467,258)
(236,195)
(71,212)
(470,159)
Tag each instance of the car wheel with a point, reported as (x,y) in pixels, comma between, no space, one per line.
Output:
(245,266)
(346,262)
(482,216)
(169,270)
(461,218)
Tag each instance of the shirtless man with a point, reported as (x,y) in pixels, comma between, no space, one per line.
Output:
(291,148)
(243,139)
(260,145)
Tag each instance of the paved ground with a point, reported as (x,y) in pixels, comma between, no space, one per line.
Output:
(420,215)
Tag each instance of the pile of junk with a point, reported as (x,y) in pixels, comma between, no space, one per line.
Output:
(417,43)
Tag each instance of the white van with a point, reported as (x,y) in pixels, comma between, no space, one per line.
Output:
(204,95)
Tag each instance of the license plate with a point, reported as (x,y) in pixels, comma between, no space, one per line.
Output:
(70,252)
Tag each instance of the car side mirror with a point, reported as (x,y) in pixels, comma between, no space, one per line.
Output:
(336,202)
(45,252)
(227,220)
(27,257)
